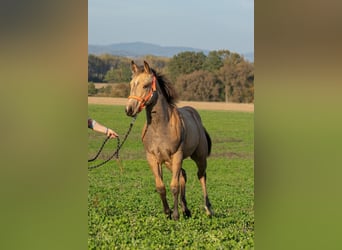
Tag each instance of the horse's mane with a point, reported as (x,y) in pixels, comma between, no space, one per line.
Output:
(167,88)
(165,85)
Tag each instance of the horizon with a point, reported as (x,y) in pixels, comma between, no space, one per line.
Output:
(168,46)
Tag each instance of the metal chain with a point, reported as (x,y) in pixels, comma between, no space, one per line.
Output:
(119,145)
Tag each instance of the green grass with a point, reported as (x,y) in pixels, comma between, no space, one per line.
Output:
(125,211)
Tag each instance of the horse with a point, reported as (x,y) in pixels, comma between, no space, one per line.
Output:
(170,135)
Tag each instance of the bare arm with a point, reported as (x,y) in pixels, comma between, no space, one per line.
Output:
(96,126)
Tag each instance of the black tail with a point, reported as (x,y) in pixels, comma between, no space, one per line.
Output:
(208,140)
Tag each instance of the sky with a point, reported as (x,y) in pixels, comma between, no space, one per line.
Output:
(208,25)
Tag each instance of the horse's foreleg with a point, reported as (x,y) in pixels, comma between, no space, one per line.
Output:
(175,192)
(182,182)
(160,187)
(174,186)
(162,191)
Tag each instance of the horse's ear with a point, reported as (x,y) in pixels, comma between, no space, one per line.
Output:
(134,67)
(147,68)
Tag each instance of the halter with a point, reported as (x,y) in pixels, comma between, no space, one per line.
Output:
(147,98)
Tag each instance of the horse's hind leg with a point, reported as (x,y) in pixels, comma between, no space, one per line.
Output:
(182,182)
(207,204)
(202,176)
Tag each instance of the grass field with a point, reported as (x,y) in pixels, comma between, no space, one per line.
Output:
(125,211)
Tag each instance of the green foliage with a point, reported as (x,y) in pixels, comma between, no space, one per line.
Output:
(120,90)
(120,74)
(91,89)
(185,63)
(104,91)
(213,62)
(158,63)
(220,76)
(125,212)
(108,68)
(199,86)
(238,77)
(96,69)
(108,89)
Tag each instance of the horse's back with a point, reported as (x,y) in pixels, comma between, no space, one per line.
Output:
(189,113)
(197,139)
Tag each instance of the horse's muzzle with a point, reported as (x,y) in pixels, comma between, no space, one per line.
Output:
(132,108)
(129,110)
(134,105)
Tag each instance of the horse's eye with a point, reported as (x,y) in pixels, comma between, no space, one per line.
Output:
(145,86)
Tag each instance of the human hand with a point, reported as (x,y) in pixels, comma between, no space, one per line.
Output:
(111,133)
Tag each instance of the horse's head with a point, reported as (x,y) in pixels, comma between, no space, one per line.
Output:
(143,86)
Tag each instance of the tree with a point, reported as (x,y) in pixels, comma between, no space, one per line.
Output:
(118,68)
(120,90)
(245,81)
(91,89)
(157,63)
(120,74)
(199,86)
(185,63)
(237,75)
(97,69)
(213,61)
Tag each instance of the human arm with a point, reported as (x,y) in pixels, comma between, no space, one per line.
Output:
(96,126)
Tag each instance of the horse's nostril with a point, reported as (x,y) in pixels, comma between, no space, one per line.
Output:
(128,110)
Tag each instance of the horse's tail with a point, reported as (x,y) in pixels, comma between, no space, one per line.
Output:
(208,140)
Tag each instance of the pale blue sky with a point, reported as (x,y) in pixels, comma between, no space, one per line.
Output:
(212,25)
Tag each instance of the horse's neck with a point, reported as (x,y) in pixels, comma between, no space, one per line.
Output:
(160,113)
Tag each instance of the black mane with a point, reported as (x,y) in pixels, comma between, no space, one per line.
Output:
(166,87)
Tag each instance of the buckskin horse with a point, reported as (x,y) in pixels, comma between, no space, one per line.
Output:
(170,135)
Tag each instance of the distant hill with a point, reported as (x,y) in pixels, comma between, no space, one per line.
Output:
(138,49)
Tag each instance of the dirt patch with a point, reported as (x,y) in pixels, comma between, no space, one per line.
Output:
(242,107)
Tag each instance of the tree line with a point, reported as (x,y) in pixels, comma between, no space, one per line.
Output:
(219,76)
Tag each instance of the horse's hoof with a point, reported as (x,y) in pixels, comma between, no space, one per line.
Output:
(168,212)
(187,213)
(208,211)
(168,215)
(175,216)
